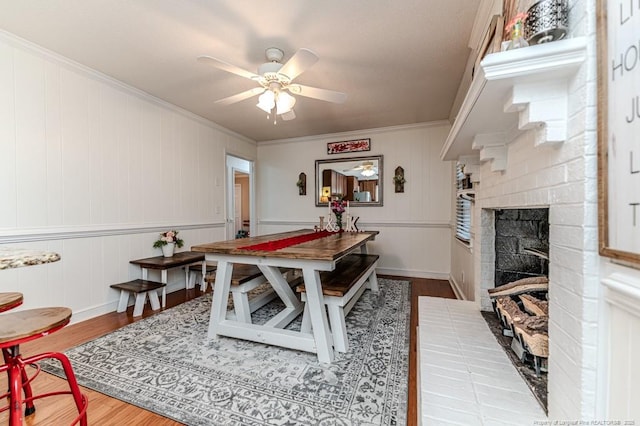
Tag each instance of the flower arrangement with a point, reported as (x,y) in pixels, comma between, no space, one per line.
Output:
(338,206)
(517,20)
(399,179)
(169,237)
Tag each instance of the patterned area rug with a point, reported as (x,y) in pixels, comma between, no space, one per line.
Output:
(166,364)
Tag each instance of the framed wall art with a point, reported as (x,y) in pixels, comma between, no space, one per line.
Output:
(355,145)
(619,130)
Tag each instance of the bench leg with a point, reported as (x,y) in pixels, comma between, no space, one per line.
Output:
(124,301)
(191,281)
(139,306)
(305,327)
(338,328)
(372,283)
(241,307)
(153,299)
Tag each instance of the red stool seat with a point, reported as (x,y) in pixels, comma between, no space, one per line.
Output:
(23,326)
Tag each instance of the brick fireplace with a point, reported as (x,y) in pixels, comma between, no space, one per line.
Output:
(527,134)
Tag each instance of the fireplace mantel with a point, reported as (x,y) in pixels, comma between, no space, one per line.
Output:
(513,92)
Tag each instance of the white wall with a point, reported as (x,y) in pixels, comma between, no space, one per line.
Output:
(94,170)
(414,226)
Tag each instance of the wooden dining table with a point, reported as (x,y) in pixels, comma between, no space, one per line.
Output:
(304,249)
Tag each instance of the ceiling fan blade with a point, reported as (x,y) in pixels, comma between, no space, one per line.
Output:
(298,63)
(316,93)
(289,115)
(218,63)
(240,96)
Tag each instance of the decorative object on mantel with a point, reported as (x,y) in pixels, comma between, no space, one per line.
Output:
(534,81)
(516,29)
(356,145)
(168,242)
(17,258)
(302,184)
(547,20)
(398,179)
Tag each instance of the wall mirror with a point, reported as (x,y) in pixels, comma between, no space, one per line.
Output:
(356,179)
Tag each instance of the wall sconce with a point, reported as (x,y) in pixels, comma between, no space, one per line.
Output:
(398,179)
(302,184)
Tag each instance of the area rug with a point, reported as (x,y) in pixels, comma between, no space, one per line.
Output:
(166,364)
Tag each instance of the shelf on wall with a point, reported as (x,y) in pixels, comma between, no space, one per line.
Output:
(512,92)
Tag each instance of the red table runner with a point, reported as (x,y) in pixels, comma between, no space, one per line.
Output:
(286,242)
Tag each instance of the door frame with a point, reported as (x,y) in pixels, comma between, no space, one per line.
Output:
(235,163)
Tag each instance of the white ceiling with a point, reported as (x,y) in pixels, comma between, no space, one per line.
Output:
(399,61)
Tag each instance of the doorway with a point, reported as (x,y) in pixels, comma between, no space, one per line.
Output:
(240,197)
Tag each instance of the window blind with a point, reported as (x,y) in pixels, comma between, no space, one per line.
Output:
(463,208)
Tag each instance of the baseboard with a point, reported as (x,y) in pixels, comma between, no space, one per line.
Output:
(413,273)
(456,289)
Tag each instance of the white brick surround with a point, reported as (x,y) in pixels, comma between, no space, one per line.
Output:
(560,174)
(562,178)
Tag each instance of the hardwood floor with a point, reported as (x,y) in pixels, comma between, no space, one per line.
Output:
(106,411)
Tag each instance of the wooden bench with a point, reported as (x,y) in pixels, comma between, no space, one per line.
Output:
(341,289)
(244,279)
(140,288)
(195,275)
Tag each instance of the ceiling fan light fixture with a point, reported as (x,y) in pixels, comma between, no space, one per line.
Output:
(285,103)
(368,172)
(266,101)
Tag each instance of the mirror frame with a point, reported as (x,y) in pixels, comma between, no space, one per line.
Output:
(318,187)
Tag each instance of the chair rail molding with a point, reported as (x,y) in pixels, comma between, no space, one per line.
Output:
(514,92)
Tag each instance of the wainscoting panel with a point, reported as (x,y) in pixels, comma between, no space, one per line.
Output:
(94,169)
(622,294)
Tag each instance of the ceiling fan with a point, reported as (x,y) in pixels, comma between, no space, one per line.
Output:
(276,82)
(366,169)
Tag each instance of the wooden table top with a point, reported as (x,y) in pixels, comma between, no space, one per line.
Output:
(331,247)
(178,259)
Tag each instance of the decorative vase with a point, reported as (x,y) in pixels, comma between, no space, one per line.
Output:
(168,249)
(339,221)
(517,37)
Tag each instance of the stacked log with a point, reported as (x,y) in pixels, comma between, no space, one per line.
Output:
(532,331)
(534,306)
(525,285)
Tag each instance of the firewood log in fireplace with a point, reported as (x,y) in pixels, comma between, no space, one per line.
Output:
(525,285)
(534,306)
(531,331)
(534,335)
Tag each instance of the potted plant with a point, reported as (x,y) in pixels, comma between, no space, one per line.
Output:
(168,242)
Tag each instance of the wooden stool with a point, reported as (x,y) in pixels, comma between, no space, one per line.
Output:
(141,288)
(24,326)
(10,301)
(195,275)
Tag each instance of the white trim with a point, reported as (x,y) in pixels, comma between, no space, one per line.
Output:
(49,234)
(357,134)
(623,291)
(361,225)
(456,288)
(413,273)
